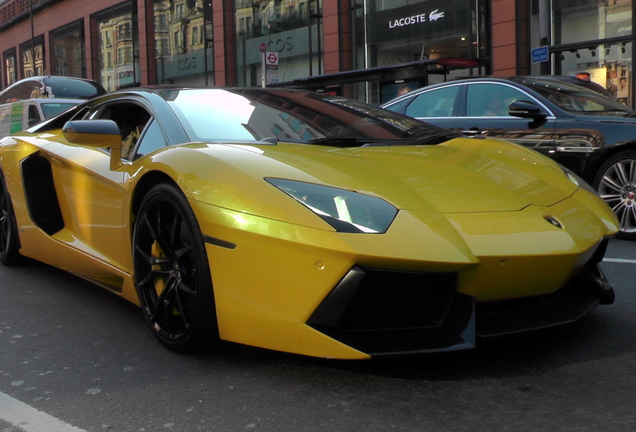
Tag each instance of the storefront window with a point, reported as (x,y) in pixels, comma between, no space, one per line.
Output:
(32,57)
(68,50)
(118,49)
(10,71)
(395,32)
(182,50)
(583,20)
(388,33)
(608,65)
(290,29)
(592,36)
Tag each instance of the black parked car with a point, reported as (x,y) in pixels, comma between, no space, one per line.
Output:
(588,132)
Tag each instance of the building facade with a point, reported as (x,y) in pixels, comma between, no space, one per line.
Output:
(221,42)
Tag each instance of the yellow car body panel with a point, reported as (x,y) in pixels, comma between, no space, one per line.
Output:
(477,208)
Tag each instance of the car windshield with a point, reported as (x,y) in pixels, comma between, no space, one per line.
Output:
(575,98)
(293,116)
(50,110)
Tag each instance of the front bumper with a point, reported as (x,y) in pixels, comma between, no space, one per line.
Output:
(276,288)
(383,312)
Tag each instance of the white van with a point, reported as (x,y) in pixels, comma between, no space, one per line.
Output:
(32,100)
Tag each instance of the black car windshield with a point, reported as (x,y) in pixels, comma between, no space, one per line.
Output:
(574,98)
(293,116)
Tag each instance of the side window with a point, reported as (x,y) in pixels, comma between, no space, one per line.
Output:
(151,140)
(34,116)
(491,100)
(397,107)
(434,103)
(25,90)
(131,118)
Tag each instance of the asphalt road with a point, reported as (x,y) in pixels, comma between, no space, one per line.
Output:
(77,358)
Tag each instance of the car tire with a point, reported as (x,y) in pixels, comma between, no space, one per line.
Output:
(616,184)
(9,241)
(172,273)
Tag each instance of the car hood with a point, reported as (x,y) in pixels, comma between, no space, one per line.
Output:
(459,176)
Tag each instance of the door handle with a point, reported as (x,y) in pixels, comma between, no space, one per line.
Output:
(472,132)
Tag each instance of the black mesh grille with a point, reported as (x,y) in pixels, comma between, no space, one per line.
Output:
(391,299)
(383,312)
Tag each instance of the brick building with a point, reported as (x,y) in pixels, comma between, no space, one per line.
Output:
(218,42)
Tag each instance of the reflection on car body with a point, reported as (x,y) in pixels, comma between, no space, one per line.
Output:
(561,117)
(303,222)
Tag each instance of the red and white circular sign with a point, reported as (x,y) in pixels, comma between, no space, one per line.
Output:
(271,59)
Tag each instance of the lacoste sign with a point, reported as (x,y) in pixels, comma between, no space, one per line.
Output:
(416,19)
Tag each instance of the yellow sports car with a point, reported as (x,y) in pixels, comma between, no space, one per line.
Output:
(302,222)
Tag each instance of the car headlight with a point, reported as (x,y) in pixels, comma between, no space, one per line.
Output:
(578,181)
(346,211)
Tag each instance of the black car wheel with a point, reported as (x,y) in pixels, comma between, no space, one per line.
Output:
(616,184)
(9,243)
(172,273)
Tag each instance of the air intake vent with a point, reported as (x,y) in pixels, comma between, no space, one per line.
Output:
(384,311)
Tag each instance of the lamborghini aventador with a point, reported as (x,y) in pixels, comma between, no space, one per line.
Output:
(303,222)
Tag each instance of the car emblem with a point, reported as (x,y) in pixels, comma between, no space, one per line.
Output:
(553,221)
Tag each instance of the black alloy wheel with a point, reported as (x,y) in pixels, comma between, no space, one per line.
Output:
(9,243)
(172,274)
(616,184)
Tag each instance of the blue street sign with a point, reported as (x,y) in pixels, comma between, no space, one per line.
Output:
(540,54)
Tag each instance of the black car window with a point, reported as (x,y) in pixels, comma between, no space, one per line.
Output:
(53,108)
(151,140)
(73,88)
(397,106)
(20,91)
(34,115)
(491,100)
(434,103)
(130,117)
(573,97)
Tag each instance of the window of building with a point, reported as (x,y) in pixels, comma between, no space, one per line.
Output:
(194,40)
(33,57)
(68,50)
(118,40)
(182,53)
(593,37)
(291,29)
(10,71)
(577,21)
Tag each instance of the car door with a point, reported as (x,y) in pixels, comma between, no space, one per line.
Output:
(438,106)
(91,194)
(486,114)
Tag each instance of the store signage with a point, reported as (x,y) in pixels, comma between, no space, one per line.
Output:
(458,62)
(540,55)
(291,43)
(416,19)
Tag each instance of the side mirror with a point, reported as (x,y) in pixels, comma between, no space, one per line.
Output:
(526,109)
(96,133)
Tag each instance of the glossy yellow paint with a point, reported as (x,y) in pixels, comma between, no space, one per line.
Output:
(475,207)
